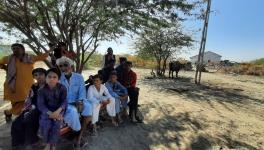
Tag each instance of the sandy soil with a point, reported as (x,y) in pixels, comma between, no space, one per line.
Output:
(225,112)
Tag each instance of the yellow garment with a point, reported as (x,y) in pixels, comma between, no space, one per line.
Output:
(16,108)
(24,79)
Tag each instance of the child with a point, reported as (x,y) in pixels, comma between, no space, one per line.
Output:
(119,92)
(100,97)
(51,103)
(25,127)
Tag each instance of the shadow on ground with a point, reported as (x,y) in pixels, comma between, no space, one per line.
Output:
(181,131)
(184,131)
(207,93)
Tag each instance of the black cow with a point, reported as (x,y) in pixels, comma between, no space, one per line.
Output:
(175,66)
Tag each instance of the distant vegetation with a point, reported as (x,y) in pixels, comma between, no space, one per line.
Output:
(2,54)
(255,67)
(4,50)
(259,62)
(96,61)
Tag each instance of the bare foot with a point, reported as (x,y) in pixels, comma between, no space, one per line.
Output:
(114,122)
(47,147)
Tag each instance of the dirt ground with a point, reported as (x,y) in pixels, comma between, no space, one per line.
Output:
(225,112)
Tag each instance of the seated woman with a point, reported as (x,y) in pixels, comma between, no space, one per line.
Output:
(100,97)
(51,103)
(24,128)
(119,92)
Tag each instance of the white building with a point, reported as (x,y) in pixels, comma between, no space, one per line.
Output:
(208,57)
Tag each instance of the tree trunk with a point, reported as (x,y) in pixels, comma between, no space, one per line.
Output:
(164,65)
(158,67)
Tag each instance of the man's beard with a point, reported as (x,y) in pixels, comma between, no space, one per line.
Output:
(67,73)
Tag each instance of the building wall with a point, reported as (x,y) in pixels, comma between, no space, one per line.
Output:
(208,57)
(194,59)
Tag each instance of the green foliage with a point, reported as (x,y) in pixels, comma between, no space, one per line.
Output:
(162,43)
(259,62)
(83,24)
(1,55)
(4,50)
(140,62)
(144,56)
(94,61)
(255,67)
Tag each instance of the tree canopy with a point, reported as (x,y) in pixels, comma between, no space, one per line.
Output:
(83,24)
(162,43)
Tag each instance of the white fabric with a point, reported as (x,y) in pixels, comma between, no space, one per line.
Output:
(98,96)
(64,59)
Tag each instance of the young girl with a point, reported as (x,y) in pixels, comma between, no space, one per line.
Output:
(100,97)
(51,103)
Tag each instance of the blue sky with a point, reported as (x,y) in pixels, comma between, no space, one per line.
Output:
(236,31)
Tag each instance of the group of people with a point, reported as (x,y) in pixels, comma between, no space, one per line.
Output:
(60,95)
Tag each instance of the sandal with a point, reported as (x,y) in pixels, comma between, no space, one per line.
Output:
(8,117)
(132,120)
(80,145)
(139,120)
(94,132)
(114,122)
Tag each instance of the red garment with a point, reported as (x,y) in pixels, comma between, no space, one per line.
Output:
(129,79)
(69,54)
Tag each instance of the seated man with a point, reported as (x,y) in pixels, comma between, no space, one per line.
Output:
(25,127)
(119,92)
(76,94)
(128,78)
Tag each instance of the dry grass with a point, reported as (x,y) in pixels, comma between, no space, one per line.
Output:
(245,69)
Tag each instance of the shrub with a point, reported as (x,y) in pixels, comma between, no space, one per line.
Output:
(96,61)
(245,69)
(259,62)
